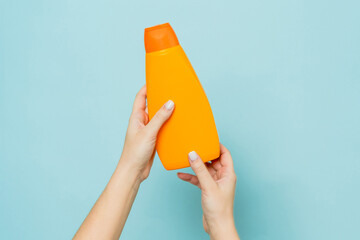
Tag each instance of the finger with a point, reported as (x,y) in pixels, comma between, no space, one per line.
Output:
(225,157)
(160,118)
(140,100)
(189,178)
(210,168)
(205,179)
(227,162)
(215,164)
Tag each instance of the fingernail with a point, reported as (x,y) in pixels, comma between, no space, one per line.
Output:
(193,156)
(169,105)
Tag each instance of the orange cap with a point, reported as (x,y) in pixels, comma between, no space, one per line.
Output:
(160,37)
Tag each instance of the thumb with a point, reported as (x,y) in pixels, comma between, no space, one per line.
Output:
(160,118)
(205,179)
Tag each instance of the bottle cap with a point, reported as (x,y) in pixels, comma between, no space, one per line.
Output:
(160,37)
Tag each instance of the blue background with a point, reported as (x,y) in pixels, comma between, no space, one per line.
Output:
(282,77)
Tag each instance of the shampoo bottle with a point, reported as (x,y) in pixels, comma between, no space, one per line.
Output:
(170,76)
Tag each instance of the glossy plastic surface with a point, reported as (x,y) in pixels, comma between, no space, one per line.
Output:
(169,75)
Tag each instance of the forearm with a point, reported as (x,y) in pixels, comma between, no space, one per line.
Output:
(107,218)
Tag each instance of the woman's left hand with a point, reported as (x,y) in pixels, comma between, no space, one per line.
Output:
(107,218)
(139,147)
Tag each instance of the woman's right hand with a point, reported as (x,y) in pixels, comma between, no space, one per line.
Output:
(217,182)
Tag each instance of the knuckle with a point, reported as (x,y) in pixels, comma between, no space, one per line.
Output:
(161,114)
(227,152)
(157,116)
(137,94)
(199,167)
(233,177)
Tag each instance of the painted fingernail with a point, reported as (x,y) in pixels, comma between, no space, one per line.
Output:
(193,156)
(169,105)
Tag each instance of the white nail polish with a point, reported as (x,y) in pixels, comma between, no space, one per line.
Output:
(169,105)
(193,156)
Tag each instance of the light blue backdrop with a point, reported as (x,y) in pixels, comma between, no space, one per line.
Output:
(283,80)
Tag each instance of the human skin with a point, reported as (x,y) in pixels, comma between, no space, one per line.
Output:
(217,182)
(107,218)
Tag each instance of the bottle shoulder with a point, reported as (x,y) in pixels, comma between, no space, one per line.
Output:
(169,51)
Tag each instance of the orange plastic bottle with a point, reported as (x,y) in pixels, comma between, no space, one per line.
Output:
(170,76)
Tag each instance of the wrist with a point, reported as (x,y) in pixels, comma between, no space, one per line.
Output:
(223,229)
(130,172)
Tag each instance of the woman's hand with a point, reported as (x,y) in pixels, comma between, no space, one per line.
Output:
(139,148)
(107,218)
(217,182)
